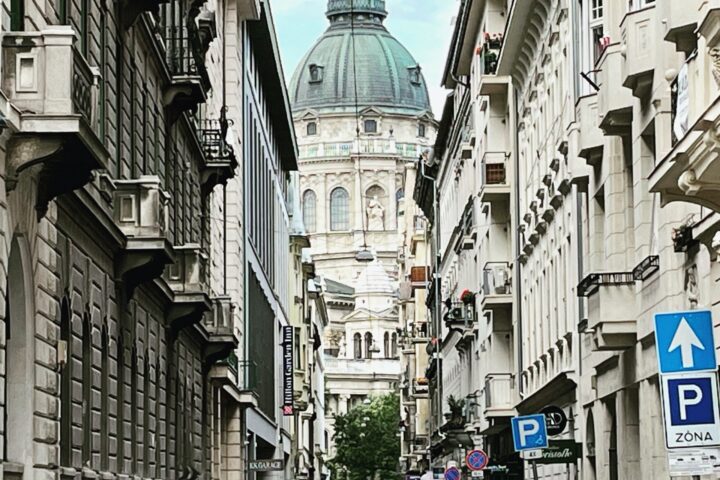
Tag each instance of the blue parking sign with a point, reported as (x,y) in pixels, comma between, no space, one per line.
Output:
(529,432)
(690,405)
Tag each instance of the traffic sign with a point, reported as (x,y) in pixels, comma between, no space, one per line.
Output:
(476,460)
(529,432)
(452,473)
(690,404)
(685,341)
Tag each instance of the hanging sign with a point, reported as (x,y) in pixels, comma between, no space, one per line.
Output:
(288,371)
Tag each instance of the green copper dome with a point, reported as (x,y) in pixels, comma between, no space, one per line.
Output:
(388,77)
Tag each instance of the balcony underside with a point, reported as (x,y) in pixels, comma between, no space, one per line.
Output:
(186,310)
(143,260)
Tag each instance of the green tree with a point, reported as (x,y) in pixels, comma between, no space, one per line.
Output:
(366,441)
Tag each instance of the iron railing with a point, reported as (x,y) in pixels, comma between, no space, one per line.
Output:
(180,53)
(212,138)
(593,281)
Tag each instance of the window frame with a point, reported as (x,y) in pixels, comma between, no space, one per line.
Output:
(341,223)
(307,196)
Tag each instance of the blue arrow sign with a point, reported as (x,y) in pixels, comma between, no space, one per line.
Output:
(685,341)
(529,432)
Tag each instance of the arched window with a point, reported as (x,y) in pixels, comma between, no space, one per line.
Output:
(309,208)
(399,196)
(370,126)
(368,345)
(421,130)
(394,346)
(312,128)
(357,346)
(87,376)
(339,210)
(386,344)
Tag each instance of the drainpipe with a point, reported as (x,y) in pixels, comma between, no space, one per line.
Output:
(518,240)
(437,318)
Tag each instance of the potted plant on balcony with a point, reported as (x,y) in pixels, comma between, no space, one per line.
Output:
(468,299)
(494,40)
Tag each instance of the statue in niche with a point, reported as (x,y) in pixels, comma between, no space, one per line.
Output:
(343,351)
(691,287)
(375,215)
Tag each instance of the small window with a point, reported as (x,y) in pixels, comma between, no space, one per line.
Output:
(421,130)
(370,126)
(312,128)
(415,77)
(316,73)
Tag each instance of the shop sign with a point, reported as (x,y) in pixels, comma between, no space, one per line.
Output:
(288,371)
(560,451)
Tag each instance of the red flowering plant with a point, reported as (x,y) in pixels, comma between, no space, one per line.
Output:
(467,297)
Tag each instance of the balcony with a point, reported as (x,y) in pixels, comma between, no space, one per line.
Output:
(590,137)
(690,172)
(498,393)
(190,82)
(140,209)
(611,309)
(681,18)
(495,182)
(615,103)
(186,279)
(220,162)
(219,324)
(497,285)
(420,388)
(55,96)
(237,379)
(639,44)
(132,9)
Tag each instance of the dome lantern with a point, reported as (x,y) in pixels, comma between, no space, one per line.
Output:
(365,11)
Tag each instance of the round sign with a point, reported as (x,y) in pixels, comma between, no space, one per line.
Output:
(452,473)
(555,420)
(476,460)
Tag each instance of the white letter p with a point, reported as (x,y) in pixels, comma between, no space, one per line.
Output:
(685,400)
(527,428)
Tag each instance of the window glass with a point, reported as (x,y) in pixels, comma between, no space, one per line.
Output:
(312,128)
(309,208)
(339,210)
(370,126)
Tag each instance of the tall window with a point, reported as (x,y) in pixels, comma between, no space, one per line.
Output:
(399,196)
(17,15)
(597,31)
(121,402)
(309,208)
(339,210)
(87,389)
(368,345)
(104,400)
(386,344)
(312,128)
(394,346)
(66,386)
(357,346)
(421,130)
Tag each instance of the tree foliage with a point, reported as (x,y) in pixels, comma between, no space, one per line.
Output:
(366,441)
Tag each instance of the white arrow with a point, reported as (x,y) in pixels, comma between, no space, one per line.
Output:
(685,339)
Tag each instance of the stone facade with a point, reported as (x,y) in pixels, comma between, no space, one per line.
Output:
(124,257)
(573,126)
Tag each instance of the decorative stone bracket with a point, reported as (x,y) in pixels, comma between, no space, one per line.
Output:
(221,332)
(132,9)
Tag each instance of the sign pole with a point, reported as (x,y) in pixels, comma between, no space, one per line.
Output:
(534,468)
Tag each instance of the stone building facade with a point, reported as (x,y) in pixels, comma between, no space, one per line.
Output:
(583,132)
(362,113)
(124,205)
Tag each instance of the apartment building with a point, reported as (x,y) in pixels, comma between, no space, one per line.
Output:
(575,183)
(415,346)
(126,126)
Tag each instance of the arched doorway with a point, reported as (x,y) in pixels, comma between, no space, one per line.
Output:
(20,354)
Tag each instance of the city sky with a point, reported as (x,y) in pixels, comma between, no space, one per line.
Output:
(423,26)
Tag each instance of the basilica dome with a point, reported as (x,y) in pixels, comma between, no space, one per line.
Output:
(388,77)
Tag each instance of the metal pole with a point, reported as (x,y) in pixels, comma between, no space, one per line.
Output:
(534,468)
